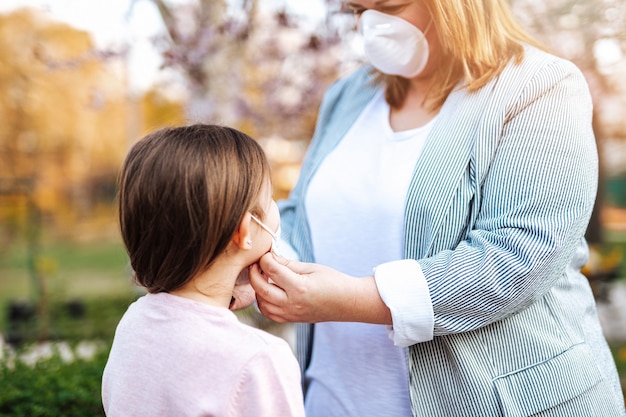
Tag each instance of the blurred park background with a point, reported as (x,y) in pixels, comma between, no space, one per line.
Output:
(82,80)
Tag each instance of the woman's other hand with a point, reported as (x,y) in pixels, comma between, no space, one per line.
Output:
(292,291)
(243,293)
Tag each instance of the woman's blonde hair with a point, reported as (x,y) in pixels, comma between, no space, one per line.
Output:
(478,39)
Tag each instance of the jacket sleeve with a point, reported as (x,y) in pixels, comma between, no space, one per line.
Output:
(536,200)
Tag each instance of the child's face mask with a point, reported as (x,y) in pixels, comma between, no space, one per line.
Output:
(275,235)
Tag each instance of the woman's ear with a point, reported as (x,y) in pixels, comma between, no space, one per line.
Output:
(242,234)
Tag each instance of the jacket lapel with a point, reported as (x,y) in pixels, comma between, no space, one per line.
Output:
(443,162)
(468,128)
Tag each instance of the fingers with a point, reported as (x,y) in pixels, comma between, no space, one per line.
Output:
(267,263)
(271,299)
(266,292)
(285,273)
(282,288)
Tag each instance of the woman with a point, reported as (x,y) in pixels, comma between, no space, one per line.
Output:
(456,179)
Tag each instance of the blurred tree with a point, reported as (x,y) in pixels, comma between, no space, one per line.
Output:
(159,110)
(248,66)
(68,118)
(63,110)
(57,128)
(591,33)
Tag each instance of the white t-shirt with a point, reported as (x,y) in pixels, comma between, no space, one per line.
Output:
(355,206)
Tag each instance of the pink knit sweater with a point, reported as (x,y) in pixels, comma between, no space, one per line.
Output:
(172,356)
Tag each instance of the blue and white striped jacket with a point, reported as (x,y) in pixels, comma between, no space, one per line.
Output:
(495,215)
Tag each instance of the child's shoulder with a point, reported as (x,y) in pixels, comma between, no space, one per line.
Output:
(257,338)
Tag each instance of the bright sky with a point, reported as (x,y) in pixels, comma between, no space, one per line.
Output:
(132,22)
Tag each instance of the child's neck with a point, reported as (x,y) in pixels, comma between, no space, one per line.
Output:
(213,286)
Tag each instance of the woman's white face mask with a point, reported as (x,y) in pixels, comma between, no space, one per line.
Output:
(393,45)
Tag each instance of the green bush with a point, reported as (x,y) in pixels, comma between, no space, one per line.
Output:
(70,321)
(52,387)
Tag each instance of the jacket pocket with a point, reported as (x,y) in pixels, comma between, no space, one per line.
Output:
(544,385)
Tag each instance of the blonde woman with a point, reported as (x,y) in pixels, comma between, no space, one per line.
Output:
(440,218)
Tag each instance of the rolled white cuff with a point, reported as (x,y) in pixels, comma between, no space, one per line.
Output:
(403,288)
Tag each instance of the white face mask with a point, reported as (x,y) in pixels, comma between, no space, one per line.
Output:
(393,45)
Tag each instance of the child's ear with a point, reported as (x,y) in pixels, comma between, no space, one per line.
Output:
(242,234)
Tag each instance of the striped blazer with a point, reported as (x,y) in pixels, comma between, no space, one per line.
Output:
(495,215)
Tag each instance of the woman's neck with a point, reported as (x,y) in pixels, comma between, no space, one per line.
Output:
(413,113)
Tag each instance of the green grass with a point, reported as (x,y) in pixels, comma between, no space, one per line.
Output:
(104,255)
(69,271)
(76,268)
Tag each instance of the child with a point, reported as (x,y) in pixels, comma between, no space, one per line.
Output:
(195,210)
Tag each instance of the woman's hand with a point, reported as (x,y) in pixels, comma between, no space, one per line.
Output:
(291,291)
(243,293)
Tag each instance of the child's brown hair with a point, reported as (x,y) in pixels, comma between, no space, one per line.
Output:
(182,194)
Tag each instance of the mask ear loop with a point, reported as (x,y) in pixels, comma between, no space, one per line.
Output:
(274,235)
(264,227)
(428,27)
